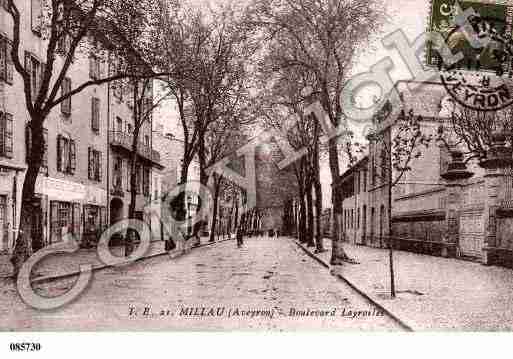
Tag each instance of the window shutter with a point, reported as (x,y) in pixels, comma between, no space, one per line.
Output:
(72,156)
(59,153)
(3,58)
(2,133)
(65,89)
(76,221)
(45,154)
(89,164)
(128,175)
(28,67)
(99,166)
(95,114)
(28,142)
(91,67)
(103,218)
(92,113)
(54,219)
(42,68)
(9,66)
(8,136)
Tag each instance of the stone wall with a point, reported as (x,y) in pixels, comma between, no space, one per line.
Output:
(427,229)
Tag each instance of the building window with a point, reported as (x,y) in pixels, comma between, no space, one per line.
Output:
(117,88)
(129,128)
(117,182)
(63,44)
(95,220)
(36,15)
(138,178)
(65,89)
(6,124)
(373,171)
(156,188)
(35,69)
(95,115)
(95,165)
(128,175)
(3,222)
(28,144)
(147,140)
(64,218)
(365,181)
(119,125)
(66,155)
(94,67)
(6,65)
(146,181)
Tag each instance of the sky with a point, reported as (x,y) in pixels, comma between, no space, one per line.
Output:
(410,16)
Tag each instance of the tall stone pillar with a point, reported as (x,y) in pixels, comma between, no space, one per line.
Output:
(493,198)
(498,158)
(455,175)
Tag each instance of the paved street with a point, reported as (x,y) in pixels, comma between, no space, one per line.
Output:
(433,293)
(250,288)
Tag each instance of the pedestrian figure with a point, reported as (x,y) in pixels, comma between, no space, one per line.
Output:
(170,244)
(239,237)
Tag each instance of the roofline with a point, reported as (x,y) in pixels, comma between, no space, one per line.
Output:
(349,171)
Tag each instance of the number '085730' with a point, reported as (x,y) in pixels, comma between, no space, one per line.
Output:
(25,347)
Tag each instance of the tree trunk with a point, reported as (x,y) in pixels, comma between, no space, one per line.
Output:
(319,247)
(338,255)
(129,245)
(318,209)
(133,195)
(309,204)
(217,185)
(303,238)
(26,243)
(390,239)
(204,181)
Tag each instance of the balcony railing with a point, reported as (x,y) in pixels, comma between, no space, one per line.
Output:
(124,139)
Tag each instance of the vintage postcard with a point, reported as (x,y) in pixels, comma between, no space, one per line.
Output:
(257,165)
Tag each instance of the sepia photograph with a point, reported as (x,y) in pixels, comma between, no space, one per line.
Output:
(255,166)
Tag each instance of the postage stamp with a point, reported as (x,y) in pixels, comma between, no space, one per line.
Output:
(479,80)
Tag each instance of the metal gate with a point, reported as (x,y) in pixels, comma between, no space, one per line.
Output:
(471,239)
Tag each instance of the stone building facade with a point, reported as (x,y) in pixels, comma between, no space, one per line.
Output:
(432,213)
(81,188)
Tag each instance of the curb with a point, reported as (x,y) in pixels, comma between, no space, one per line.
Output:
(381,306)
(51,278)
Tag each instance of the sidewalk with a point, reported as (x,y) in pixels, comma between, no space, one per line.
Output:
(433,293)
(62,264)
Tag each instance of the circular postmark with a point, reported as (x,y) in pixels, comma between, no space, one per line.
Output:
(477,81)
